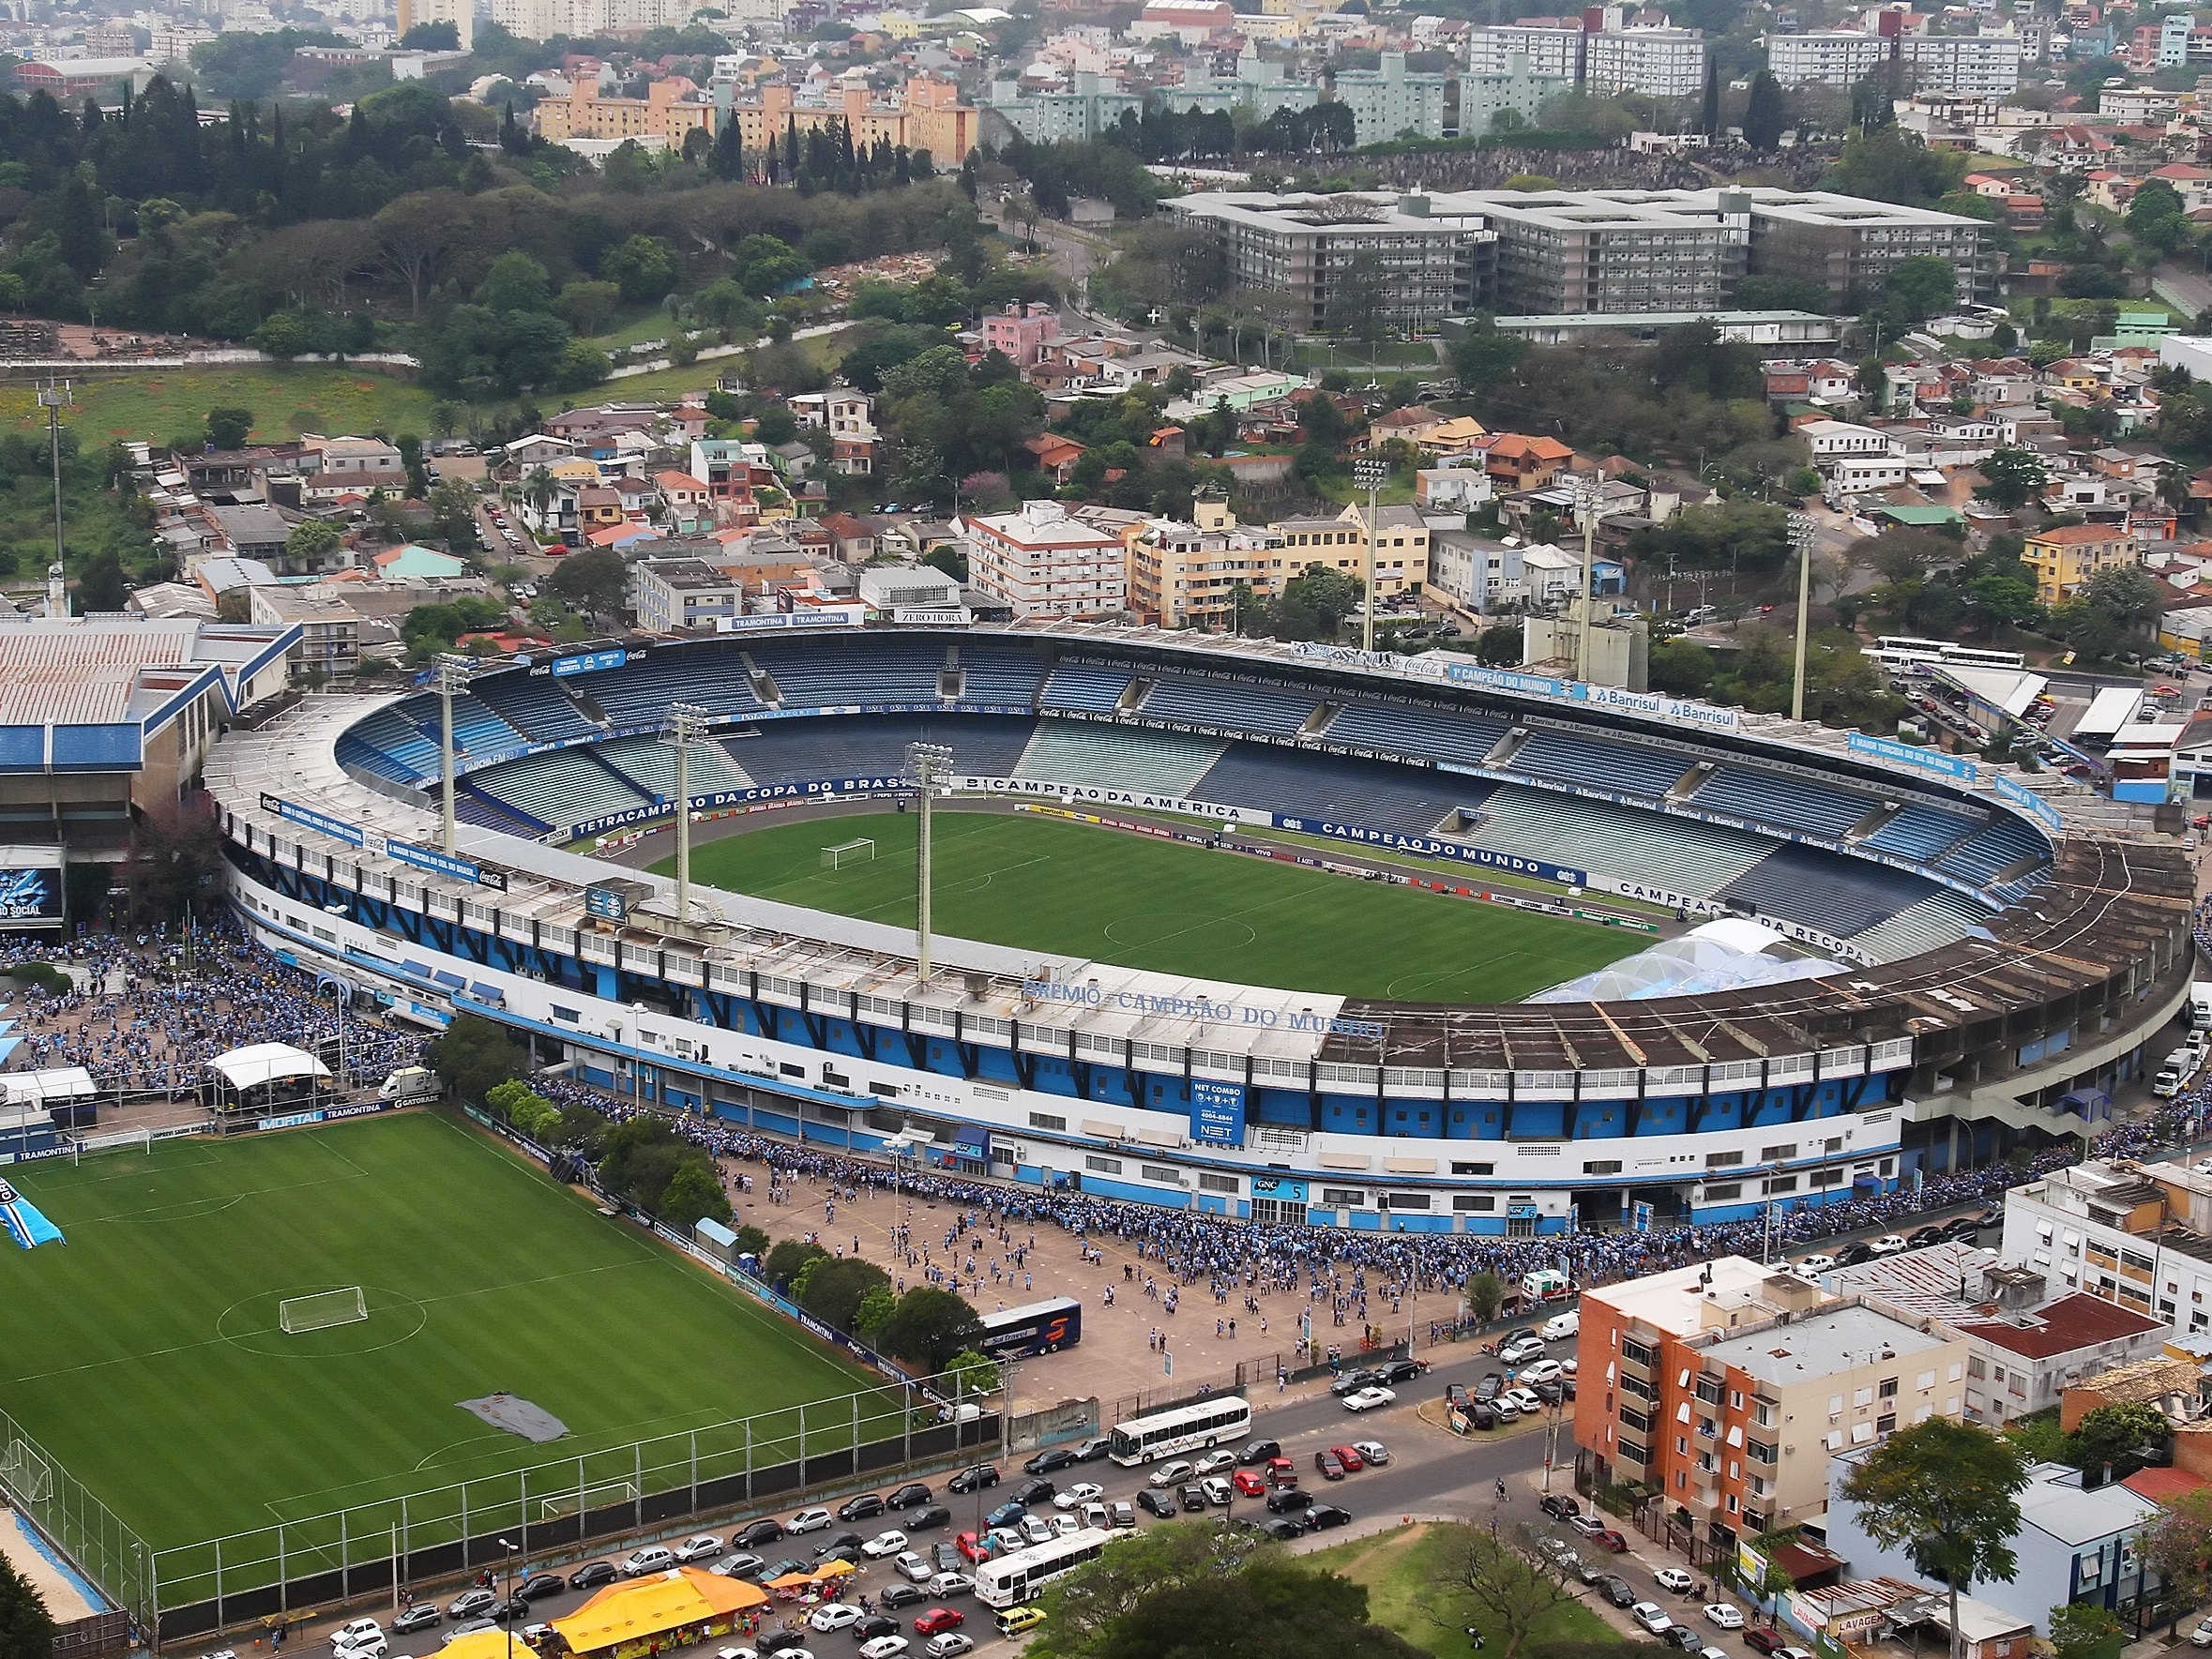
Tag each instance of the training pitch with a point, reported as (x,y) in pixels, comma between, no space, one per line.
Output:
(145,1353)
(1078,890)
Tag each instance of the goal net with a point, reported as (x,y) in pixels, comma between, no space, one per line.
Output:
(846,853)
(22,1471)
(322,1310)
(591,1498)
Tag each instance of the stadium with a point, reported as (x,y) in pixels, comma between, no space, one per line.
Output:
(1975,955)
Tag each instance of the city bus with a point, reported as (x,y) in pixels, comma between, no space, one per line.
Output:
(1038,1327)
(1224,1420)
(1008,1580)
(1902,651)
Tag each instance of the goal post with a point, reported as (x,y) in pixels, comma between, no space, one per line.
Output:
(846,853)
(25,1474)
(603,1496)
(323,1309)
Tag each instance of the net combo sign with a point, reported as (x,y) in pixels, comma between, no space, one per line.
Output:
(1217,1111)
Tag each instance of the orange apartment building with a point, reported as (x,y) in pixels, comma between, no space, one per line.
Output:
(670,110)
(925,115)
(1728,1386)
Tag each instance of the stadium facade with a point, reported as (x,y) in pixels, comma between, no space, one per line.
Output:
(2009,945)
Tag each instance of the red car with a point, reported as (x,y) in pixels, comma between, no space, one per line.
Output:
(1761,1640)
(974,1546)
(1609,1539)
(1327,1462)
(938,1618)
(1281,1471)
(1351,1460)
(1249,1482)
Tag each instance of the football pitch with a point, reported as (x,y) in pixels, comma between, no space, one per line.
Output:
(146,1355)
(1041,883)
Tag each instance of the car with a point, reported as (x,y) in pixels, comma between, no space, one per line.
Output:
(356,1634)
(1854,1253)
(1034,1491)
(1539,1371)
(809,1520)
(945,1557)
(910,1566)
(1402,1370)
(1052,1458)
(1589,1526)
(1170,1474)
(1491,1385)
(837,1544)
(593,1574)
(1610,1539)
(833,1616)
(905,1596)
(1214,1462)
(753,1536)
(946,1584)
(1559,1506)
(1191,1496)
(1217,1492)
(974,1546)
(791,1642)
(784,1569)
(1889,1244)
(1960,1225)
(1651,1616)
(1124,1516)
(864,1507)
(949,1646)
(1683,1637)
(1816,1264)
(469,1603)
(1524,1400)
(1343,1382)
(938,1618)
(1034,1528)
(1258,1452)
(1323,1515)
(883,1546)
(538,1586)
(929,1518)
(874,1625)
(1372,1452)
(1521,1348)
(911,1496)
(1675,1579)
(1285,1529)
(1006,1540)
(654,1558)
(1155,1504)
(1078,1495)
(422,1616)
(883,1647)
(1921,1237)
(1369,1399)
(1092,1514)
(1015,1621)
(1249,1483)
(1006,1514)
(702,1547)
(1615,1589)
(1482,1417)
(974,1480)
(1281,1471)
(2201,1635)
(1559,1550)
(1330,1465)
(1552,1390)
(1727,1615)
(508,1609)
(468,1627)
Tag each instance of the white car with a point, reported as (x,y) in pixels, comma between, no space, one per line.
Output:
(883,1647)
(884,1544)
(1540,1371)
(1367,1399)
(835,1616)
(910,1566)
(1214,1462)
(2201,1635)
(1675,1579)
(1727,1615)
(654,1558)
(1078,1495)
(366,1647)
(1096,1515)
(1570,1367)
(699,1549)
(1651,1616)
(1170,1474)
(1065,1526)
(1817,1264)
(1521,1348)
(950,1645)
(1889,1244)
(1374,1453)
(809,1520)
(1036,1529)
(1523,1401)
(353,1631)
(1219,1492)
(946,1584)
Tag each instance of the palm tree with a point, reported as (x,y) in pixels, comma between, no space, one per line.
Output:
(541,490)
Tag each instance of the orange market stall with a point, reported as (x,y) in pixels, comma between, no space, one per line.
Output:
(660,1612)
(826,1582)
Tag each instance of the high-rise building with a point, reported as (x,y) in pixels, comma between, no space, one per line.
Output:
(1556,51)
(670,110)
(1090,105)
(1043,563)
(1970,65)
(1827,57)
(1391,101)
(1659,63)
(1565,252)
(462,14)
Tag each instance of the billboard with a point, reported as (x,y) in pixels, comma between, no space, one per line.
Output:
(30,887)
(1217,1112)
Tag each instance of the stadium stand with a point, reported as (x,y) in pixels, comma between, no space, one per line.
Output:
(1117,758)
(874,745)
(1373,794)
(640,693)
(890,670)
(1919,833)
(649,762)
(1201,701)
(562,788)
(477,728)
(1084,689)
(1000,676)
(1401,729)
(541,708)
(1678,854)
(390,745)
(1781,800)
(1631,768)
(1841,897)
(2006,842)
(470,805)
(1941,919)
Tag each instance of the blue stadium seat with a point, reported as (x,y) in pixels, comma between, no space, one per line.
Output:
(488,812)
(828,673)
(2006,841)
(1405,729)
(1919,833)
(562,788)
(638,694)
(1628,768)
(1000,676)
(1373,794)
(476,729)
(538,706)
(391,746)
(1199,700)
(866,745)
(1084,689)
(1840,897)
(1781,799)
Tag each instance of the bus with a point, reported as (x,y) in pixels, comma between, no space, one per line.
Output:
(1224,1419)
(1902,650)
(1008,1580)
(1039,1327)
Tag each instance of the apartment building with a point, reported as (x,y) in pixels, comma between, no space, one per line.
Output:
(1517,86)
(1390,102)
(1547,51)
(462,14)
(923,113)
(2136,1235)
(1339,543)
(1565,252)
(1971,66)
(1729,1386)
(1827,57)
(2066,557)
(1659,63)
(1186,575)
(672,595)
(1083,111)
(330,629)
(1849,245)
(670,111)
(1022,331)
(1043,563)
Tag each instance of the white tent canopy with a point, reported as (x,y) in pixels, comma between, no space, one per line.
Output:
(263,1063)
(35,1088)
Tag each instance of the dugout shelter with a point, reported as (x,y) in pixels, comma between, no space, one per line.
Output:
(264,1077)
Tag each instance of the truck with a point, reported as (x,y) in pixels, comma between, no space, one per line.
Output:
(1544,1283)
(2200,1005)
(411,1085)
(2174,1073)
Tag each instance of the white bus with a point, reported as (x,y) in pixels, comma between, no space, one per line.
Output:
(1225,1420)
(1008,1580)
(1899,651)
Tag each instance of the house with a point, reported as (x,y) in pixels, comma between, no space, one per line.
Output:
(598,507)
(333,467)
(1054,454)
(854,541)
(852,454)
(1451,490)
(689,503)
(2068,555)
(1023,331)
(1517,462)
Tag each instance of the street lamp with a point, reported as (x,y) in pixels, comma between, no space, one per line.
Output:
(452,673)
(1369,474)
(1801,538)
(1593,504)
(926,762)
(512,1549)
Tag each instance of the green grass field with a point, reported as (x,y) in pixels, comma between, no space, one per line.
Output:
(286,400)
(1040,884)
(1416,1586)
(146,1355)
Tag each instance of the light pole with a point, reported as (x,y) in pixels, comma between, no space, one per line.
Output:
(926,762)
(1370,475)
(452,675)
(1801,537)
(688,724)
(512,1551)
(637,1058)
(1592,506)
(53,398)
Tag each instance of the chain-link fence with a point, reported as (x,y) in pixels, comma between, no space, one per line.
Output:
(106,1551)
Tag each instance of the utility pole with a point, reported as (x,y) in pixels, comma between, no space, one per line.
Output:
(686,723)
(452,675)
(1801,538)
(927,762)
(1369,474)
(51,399)
(1592,506)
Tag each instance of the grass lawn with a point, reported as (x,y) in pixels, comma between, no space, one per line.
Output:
(146,1353)
(1038,884)
(1410,1577)
(286,398)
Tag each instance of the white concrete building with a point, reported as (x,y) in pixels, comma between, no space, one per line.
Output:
(1389,101)
(1826,57)
(1549,52)
(1971,66)
(1659,63)
(2137,1235)
(1043,563)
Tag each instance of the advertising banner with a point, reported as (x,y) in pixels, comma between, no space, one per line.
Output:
(30,895)
(587,663)
(352,835)
(2043,810)
(1908,754)
(1217,1111)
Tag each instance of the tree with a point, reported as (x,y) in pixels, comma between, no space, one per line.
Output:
(1486,1294)
(1763,112)
(1917,288)
(930,1326)
(176,863)
(875,1307)
(588,308)
(1268,1606)
(416,234)
(692,1195)
(595,580)
(100,584)
(1515,1584)
(830,1287)
(972,1371)
(515,282)
(437,36)
(26,1628)
(788,1259)
(1946,1493)
(2176,1543)
(311,543)
(1091,1601)
(2119,1439)
(1313,606)
(229,427)
(2084,1630)
(2013,477)
(643,268)
(473,1056)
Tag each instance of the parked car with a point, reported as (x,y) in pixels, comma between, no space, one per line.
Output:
(1249,1483)
(938,1618)
(701,1547)
(833,1616)
(1155,1504)
(1683,1637)
(1330,1465)
(1816,1264)
(1053,1458)
(593,1574)
(1033,1492)
(911,1496)
(422,1616)
(837,1544)
(756,1536)
(1521,1348)
(1191,1496)
(904,1595)
(1323,1515)
(974,1480)
(1727,1615)
(1651,1616)
(1172,1474)
(863,1508)
(929,1518)
(951,1645)
(1124,1516)
(875,1625)
(1675,1579)
(1217,1492)
(469,1603)
(1401,1370)
(1854,1253)
(1214,1462)
(1350,1456)
(946,1584)
(1615,1589)
(1258,1452)
(883,1546)
(538,1586)
(809,1520)
(1559,1506)
(1889,1244)
(1369,1399)
(1538,1371)
(1610,1539)
(654,1558)
(1078,1495)
(466,1627)
(911,1567)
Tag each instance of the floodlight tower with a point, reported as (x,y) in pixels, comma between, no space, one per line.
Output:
(1801,538)
(926,762)
(452,673)
(54,398)
(1370,475)
(1593,504)
(688,724)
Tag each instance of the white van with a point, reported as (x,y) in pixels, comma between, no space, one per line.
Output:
(1545,1282)
(2200,1005)
(1560,1326)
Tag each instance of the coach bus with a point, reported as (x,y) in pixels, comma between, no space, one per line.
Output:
(1038,1327)
(1224,1419)
(1008,1580)
(1899,651)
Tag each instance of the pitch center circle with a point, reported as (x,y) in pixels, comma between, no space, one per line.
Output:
(252,1324)
(1159,928)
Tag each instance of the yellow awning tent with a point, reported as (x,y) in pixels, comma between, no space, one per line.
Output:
(654,1606)
(487,1644)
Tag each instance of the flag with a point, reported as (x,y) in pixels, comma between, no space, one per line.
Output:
(24,1222)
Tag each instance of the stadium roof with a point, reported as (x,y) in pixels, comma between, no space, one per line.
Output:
(93,670)
(262,1062)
